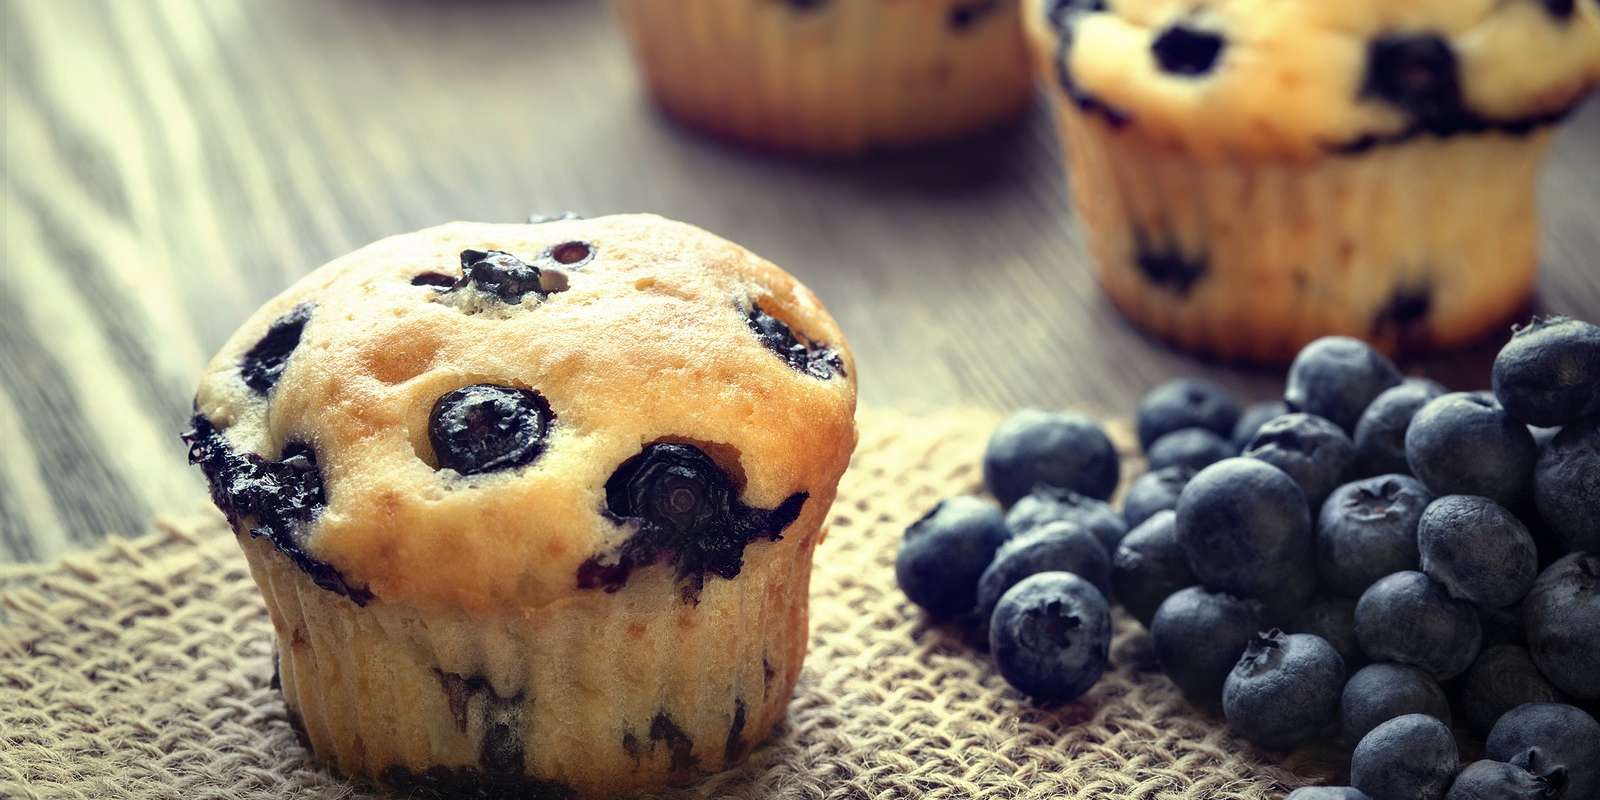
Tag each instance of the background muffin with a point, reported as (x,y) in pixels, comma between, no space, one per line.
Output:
(1253,175)
(832,76)
(533,505)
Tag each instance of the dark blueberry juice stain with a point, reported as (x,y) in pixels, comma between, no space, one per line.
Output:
(1560,9)
(1061,12)
(471,783)
(281,498)
(812,358)
(501,750)
(663,729)
(688,514)
(735,744)
(263,363)
(1165,266)
(1405,317)
(1181,50)
(484,427)
(1418,74)
(1065,16)
(501,274)
(438,279)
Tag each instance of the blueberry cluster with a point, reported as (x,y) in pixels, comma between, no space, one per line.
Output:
(1371,558)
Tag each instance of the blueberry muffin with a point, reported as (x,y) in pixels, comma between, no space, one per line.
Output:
(1253,175)
(832,77)
(533,506)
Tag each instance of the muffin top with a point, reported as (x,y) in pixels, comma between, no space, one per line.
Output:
(491,416)
(1299,78)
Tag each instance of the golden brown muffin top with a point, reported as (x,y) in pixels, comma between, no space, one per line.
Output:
(488,416)
(1300,77)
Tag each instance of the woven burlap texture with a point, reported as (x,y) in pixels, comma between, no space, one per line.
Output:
(142,670)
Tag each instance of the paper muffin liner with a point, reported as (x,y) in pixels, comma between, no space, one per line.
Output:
(593,695)
(838,79)
(1415,245)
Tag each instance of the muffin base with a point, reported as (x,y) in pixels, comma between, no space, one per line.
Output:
(592,696)
(1423,244)
(832,81)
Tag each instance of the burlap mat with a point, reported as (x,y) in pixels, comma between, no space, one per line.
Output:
(141,670)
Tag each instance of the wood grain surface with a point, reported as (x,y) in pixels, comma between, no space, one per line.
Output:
(170,165)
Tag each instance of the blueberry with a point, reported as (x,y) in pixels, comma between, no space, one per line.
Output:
(1195,448)
(1156,490)
(1335,621)
(1477,550)
(1381,433)
(1051,636)
(501,274)
(1052,547)
(1561,616)
(1185,403)
(1048,504)
(484,427)
(1253,418)
(684,510)
(1182,50)
(803,355)
(1368,529)
(1502,678)
(1310,449)
(1198,636)
(1416,73)
(1409,618)
(1411,757)
(1242,522)
(1327,793)
(1336,378)
(1566,485)
(264,362)
(1548,739)
(1549,373)
(1061,449)
(944,553)
(1561,9)
(1493,780)
(1284,690)
(1149,566)
(1380,692)
(1502,451)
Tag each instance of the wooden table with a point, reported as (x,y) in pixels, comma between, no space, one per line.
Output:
(170,165)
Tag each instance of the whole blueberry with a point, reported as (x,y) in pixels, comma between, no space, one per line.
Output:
(1149,566)
(1253,418)
(1284,690)
(1242,522)
(1195,448)
(1367,530)
(1411,757)
(1561,617)
(501,274)
(945,552)
(1327,793)
(1156,490)
(1061,449)
(1380,692)
(484,427)
(1477,550)
(1566,485)
(1051,636)
(1310,449)
(1046,504)
(1409,618)
(1380,437)
(1336,378)
(1493,780)
(1500,466)
(1335,621)
(1052,547)
(1198,636)
(1547,739)
(1502,678)
(1185,403)
(1549,373)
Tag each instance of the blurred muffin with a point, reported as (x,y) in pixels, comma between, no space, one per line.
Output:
(533,506)
(832,77)
(1253,175)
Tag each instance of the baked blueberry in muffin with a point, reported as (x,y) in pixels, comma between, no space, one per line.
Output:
(532,507)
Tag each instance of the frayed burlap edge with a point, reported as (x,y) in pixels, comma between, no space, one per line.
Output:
(141,670)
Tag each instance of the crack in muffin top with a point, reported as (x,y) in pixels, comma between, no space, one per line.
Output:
(465,445)
(1298,79)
